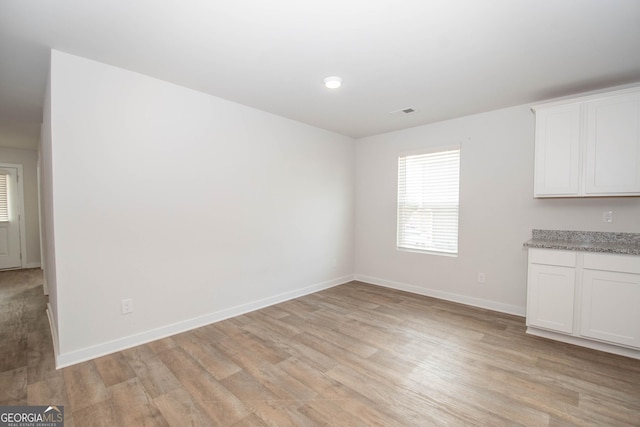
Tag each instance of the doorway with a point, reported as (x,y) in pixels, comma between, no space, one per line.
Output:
(11,208)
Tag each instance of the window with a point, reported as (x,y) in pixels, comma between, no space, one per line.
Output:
(4,198)
(428,186)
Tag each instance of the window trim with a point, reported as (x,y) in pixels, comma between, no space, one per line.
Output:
(425,151)
(5,208)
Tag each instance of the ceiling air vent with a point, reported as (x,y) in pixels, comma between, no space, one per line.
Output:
(403,112)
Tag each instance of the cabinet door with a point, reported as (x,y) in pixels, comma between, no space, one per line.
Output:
(613,146)
(557,151)
(610,309)
(550,297)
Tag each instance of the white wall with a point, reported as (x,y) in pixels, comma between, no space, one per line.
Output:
(497,210)
(28,159)
(198,208)
(46,212)
(195,207)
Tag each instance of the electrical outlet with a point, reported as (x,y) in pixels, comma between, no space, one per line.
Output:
(127,306)
(607,216)
(481,278)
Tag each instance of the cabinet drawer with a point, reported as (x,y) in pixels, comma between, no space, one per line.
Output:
(552,257)
(610,262)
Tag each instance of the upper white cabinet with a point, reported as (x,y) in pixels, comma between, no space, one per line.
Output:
(557,155)
(613,145)
(588,146)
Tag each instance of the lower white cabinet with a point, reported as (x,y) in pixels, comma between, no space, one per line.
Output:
(585,297)
(551,296)
(611,307)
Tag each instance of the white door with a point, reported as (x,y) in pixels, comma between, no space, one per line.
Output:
(9,219)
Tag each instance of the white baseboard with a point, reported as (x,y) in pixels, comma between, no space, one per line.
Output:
(462,299)
(31,265)
(88,353)
(54,332)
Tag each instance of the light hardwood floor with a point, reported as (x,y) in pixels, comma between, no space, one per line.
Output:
(353,355)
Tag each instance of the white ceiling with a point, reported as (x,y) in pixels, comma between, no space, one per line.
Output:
(444,58)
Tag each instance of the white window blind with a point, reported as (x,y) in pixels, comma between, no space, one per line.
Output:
(4,198)
(428,194)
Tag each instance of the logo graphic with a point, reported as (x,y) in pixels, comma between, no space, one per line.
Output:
(32,416)
(53,408)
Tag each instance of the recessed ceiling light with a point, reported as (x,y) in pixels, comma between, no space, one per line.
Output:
(333,82)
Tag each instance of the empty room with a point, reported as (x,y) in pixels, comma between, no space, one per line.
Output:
(346,213)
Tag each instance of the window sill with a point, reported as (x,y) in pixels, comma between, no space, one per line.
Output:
(428,252)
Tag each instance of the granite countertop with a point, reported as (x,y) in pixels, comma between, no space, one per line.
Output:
(586,241)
